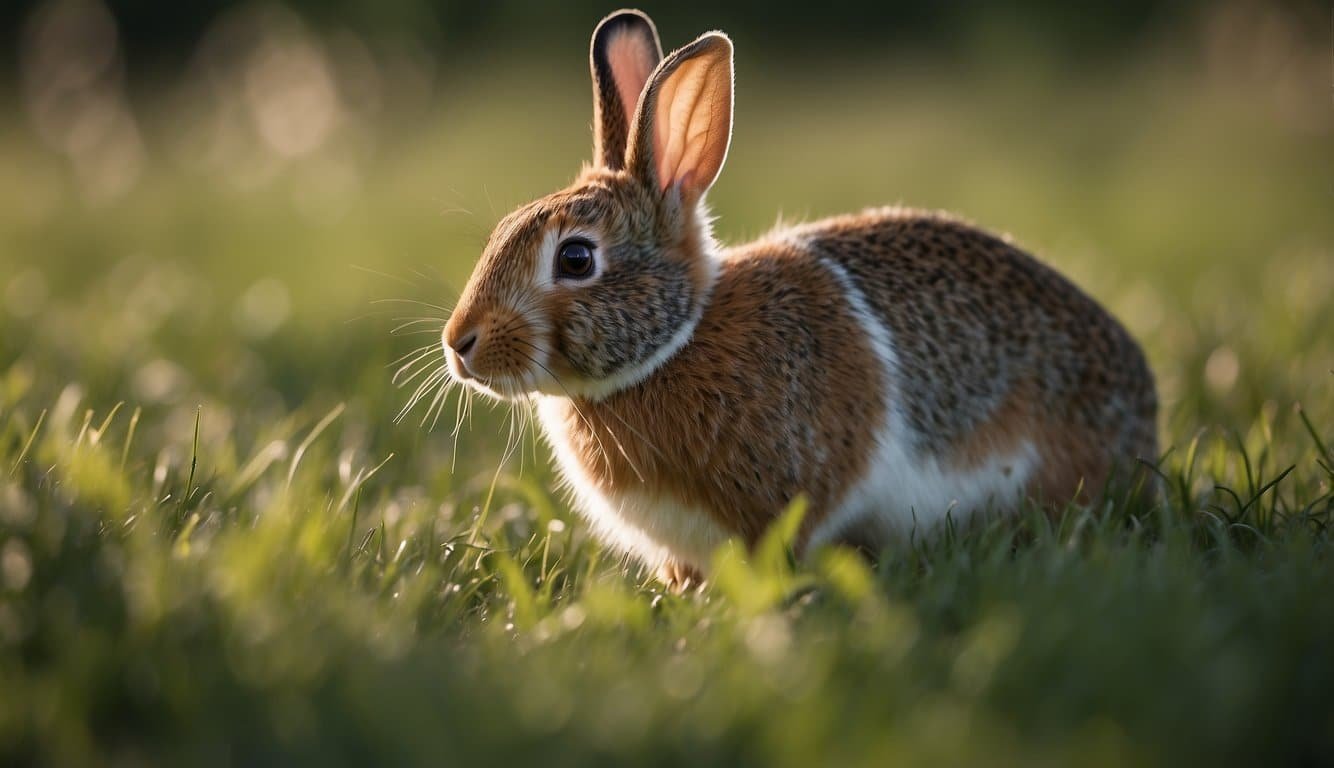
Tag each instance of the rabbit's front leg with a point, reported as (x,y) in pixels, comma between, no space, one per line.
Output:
(679,577)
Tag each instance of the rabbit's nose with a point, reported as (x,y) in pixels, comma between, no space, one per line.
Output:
(462,344)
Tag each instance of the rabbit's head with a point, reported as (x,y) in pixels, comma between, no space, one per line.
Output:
(586,291)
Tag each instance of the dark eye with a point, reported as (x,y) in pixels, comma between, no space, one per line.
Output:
(574,259)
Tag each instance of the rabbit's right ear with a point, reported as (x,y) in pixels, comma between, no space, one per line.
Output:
(684,124)
(624,52)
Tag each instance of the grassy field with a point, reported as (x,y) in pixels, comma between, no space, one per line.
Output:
(218,546)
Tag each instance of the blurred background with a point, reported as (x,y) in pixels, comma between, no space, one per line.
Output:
(201,202)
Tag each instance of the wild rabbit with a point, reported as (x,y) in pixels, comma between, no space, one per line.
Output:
(894,366)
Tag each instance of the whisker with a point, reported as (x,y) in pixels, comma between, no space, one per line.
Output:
(379,313)
(439,281)
(522,412)
(458,416)
(491,205)
(427,365)
(439,397)
(412,301)
(605,456)
(433,331)
(510,438)
(439,404)
(413,353)
(531,419)
(509,326)
(371,271)
(458,421)
(417,395)
(425,357)
(435,277)
(643,438)
(408,322)
(422,388)
(510,445)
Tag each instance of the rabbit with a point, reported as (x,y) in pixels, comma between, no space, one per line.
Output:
(893,367)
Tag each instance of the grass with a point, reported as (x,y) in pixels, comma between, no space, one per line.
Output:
(217,545)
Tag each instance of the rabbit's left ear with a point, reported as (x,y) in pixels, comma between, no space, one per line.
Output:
(684,125)
(624,52)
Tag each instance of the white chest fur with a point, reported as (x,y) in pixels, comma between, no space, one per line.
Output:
(648,527)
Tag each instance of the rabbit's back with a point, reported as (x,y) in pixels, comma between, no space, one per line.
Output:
(993,347)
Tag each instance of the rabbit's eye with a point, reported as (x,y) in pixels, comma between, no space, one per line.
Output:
(574,260)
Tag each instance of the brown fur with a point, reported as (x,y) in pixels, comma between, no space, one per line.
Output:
(755,410)
(1071,468)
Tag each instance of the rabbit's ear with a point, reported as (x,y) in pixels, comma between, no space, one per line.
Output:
(624,52)
(684,123)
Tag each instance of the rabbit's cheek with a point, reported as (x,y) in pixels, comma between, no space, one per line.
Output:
(583,346)
(636,317)
(578,338)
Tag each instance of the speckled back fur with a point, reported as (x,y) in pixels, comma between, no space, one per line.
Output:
(976,320)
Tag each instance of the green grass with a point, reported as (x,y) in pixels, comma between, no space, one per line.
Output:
(217,546)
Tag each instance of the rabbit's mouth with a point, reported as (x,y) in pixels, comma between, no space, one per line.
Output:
(498,354)
(510,385)
(504,386)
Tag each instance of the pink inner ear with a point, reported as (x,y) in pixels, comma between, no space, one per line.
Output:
(692,124)
(631,62)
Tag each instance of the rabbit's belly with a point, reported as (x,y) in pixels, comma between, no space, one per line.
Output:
(903,492)
(654,529)
(651,528)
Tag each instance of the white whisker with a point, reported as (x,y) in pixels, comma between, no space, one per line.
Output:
(406,355)
(409,322)
(421,390)
(377,272)
(424,356)
(441,391)
(592,429)
(412,301)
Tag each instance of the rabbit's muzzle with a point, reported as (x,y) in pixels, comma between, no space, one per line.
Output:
(495,351)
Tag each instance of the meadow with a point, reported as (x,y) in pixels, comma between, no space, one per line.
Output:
(220,544)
